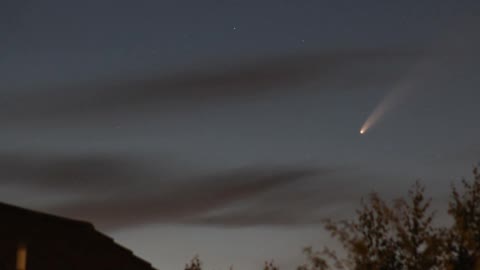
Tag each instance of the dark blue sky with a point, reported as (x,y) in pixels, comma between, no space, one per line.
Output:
(178,125)
(80,39)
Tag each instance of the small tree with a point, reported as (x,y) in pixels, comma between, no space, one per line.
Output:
(270,266)
(463,242)
(195,264)
(368,240)
(315,260)
(385,238)
(418,243)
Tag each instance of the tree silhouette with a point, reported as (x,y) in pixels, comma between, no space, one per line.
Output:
(195,264)
(382,237)
(368,240)
(270,265)
(418,244)
(463,241)
(315,260)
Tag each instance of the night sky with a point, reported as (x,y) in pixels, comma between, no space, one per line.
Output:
(230,129)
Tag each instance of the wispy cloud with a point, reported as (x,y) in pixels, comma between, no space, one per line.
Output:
(184,199)
(326,195)
(78,172)
(122,192)
(232,81)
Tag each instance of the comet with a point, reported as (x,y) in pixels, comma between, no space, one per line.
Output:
(388,103)
(414,80)
(424,70)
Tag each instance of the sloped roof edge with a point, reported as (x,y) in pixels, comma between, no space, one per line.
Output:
(18,211)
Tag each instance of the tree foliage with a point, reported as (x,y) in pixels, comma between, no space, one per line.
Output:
(463,242)
(401,235)
(195,264)
(270,265)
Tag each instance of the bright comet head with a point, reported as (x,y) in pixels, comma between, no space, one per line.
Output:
(362,131)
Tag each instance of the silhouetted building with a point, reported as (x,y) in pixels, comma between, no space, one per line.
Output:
(31,240)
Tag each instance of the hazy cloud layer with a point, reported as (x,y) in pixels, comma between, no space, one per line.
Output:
(329,195)
(184,199)
(121,192)
(79,172)
(233,81)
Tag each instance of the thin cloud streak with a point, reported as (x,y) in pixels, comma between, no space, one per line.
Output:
(183,200)
(118,193)
(233,81)
(77,172)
